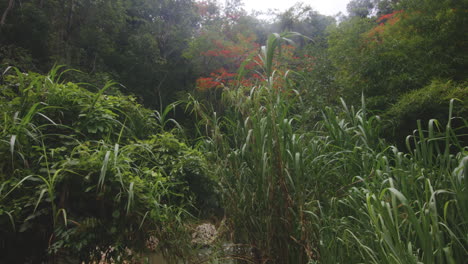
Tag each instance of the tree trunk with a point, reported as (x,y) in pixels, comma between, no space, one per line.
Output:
(5,13)
(68,33)
(70,16)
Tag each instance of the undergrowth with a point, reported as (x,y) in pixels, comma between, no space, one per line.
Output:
(86,174)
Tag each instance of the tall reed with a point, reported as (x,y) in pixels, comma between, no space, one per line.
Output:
(263,163)
(399,207)
(337,193)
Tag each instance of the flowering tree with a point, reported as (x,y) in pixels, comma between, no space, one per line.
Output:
(392,54)
(244,56)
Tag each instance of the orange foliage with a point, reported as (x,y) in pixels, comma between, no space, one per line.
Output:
(384,21)
(236,54)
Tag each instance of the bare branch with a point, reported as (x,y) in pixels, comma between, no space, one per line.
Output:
(5,13)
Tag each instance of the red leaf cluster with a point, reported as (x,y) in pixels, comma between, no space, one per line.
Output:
(389,17)
(233,54)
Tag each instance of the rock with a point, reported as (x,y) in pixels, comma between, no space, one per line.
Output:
(204,234)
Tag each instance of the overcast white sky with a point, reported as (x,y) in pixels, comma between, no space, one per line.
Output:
(325,7)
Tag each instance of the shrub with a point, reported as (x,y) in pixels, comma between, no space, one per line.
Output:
(429,102)
(82,173)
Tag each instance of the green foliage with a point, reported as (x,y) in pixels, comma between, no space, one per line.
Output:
(337,192)
(360,8)
(226,28)
(403,51)
(82,172)
(138,43)
(69,107)
(344,49)
(303,19)
(430,98)
(263,167)
(18,56)
(86,171)
(400,207)
(425,104)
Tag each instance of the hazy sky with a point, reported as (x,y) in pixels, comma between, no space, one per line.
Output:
(325,7)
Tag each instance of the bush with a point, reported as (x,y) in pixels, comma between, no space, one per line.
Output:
(429,102)
(84,172)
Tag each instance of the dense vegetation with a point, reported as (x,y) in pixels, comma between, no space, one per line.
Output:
(329,143)
(83,171)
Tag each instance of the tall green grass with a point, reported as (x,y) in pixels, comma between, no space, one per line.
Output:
(337,193)
(407,207)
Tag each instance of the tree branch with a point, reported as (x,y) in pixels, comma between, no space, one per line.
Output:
(5,13)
